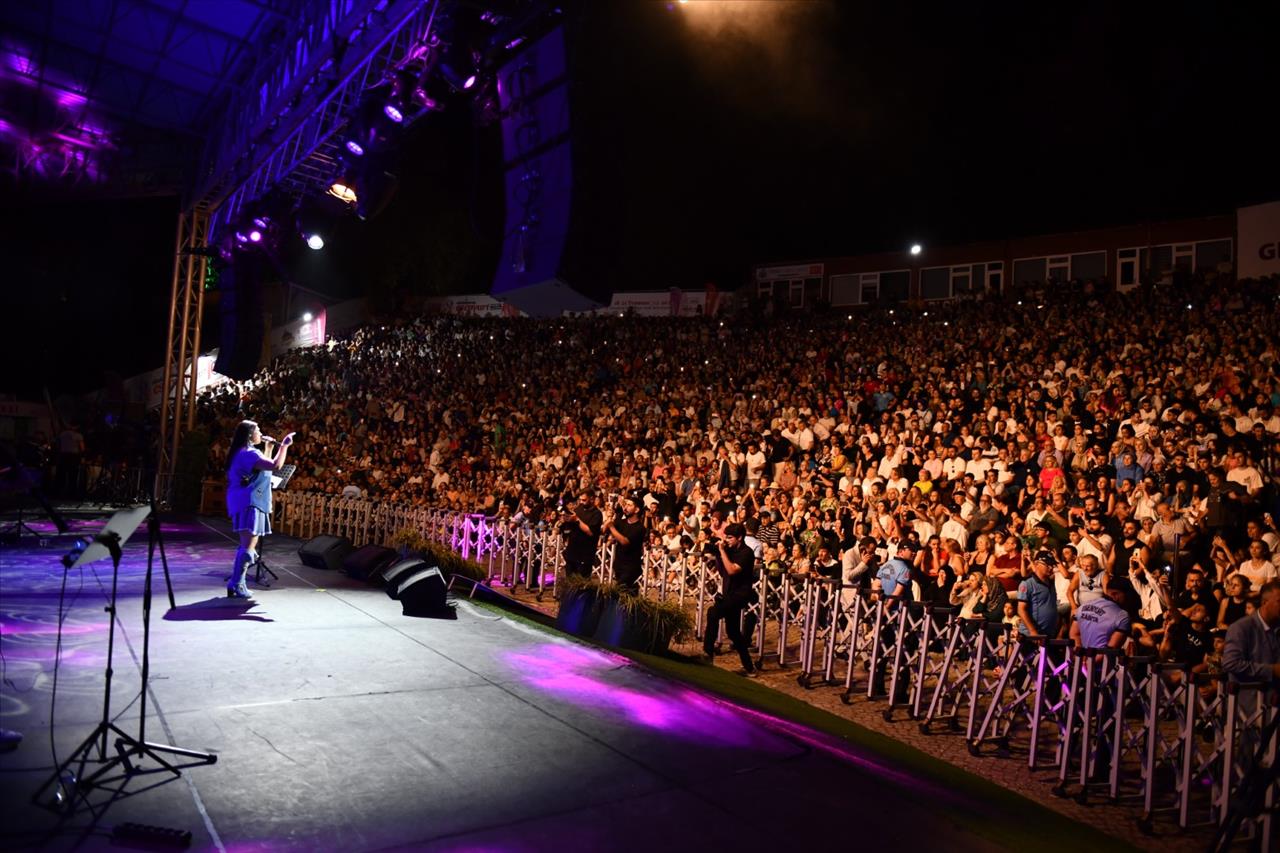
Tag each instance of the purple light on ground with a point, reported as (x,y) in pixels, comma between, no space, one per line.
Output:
(69,100)
(581,676)
(355,148)
(11,628)
(23,65)
(393,113)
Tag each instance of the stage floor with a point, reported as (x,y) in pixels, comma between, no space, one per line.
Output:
(340,724)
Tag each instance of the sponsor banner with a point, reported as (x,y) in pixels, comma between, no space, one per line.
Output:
(1258,248)
(472,305)
(791,271)
(662,303)
(299,333)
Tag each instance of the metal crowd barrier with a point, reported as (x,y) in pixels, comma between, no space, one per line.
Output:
(1125,728)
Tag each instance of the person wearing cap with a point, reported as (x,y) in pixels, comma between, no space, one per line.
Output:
(895,575)
(1038,599)
(736,564)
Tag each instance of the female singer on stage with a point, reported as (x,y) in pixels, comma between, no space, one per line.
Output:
(249,497)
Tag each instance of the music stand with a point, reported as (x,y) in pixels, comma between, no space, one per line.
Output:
(72,783)
(22,482)
(278,481)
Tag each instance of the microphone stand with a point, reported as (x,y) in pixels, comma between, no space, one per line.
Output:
(68,783)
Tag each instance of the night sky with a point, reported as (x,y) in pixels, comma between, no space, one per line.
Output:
(710,136)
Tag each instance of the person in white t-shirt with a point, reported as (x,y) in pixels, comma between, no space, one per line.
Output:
(1258,567)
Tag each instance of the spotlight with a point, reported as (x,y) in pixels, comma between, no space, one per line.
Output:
(306,318)
(393,112)
(255,236)
(344,188)
(355,148)
(458,67)
(260,221)
(916,248)
(241,237)
(316,218)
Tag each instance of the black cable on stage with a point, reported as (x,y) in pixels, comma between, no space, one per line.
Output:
(57,658)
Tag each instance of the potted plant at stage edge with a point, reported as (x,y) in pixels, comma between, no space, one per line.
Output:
(410,542)
(614,617)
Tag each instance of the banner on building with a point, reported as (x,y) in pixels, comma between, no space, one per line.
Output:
(1258,247)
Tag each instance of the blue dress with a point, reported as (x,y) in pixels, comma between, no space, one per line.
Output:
(249,493)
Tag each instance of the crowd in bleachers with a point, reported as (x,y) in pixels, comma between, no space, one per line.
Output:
(1126,436)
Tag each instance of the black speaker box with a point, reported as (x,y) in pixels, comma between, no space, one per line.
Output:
(423,593)
(240,308)
(391,576)
(368,562)
(325,552)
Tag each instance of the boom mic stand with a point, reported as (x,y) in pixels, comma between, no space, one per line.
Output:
(69,783)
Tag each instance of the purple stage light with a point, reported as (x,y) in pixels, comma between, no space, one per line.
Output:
(255,236)
(260,221)
(393,113)
(469,82)
(241,238)
(355,148)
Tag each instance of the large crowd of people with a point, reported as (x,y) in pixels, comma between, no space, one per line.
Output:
(1062,439)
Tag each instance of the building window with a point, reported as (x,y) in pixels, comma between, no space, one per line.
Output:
(935,283)
(1089,265)
(844,289)
(1029,270)
(1128,270)
(1059,268)
(895,286)
(796,294)
(870,288)
(995,277)
(1212,253)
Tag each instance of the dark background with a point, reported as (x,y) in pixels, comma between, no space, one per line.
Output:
(706,141)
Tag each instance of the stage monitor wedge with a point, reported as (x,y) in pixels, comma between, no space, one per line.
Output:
(423,593)
(368,562)
(325,552)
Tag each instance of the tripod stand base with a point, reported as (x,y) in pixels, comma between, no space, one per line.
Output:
(260,568)
(69,782)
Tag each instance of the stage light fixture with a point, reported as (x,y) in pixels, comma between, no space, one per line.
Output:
(315,242)
(916,248)
(344,189)
(458,78)
(255,236)
(241,237)
(355,148)
(260,221)
(306,317)
(392,112)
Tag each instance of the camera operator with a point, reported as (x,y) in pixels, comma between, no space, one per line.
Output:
(626,528)
(580,525)
(736,565)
